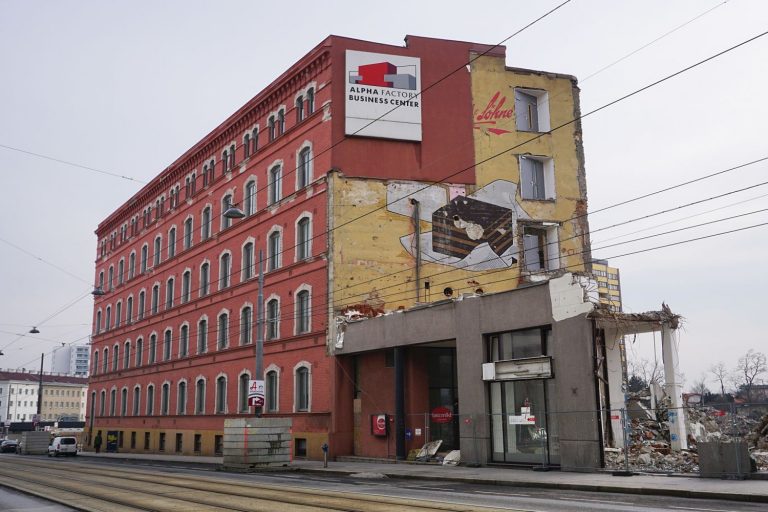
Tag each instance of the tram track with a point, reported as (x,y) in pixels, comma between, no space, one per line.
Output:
(84,485)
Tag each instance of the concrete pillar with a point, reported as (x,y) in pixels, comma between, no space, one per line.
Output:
(673,387)
(616,402)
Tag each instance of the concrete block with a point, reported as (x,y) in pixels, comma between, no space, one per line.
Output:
(724,460)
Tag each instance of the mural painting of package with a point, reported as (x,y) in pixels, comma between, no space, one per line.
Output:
(465,223)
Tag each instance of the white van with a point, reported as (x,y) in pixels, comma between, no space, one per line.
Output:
(62,446)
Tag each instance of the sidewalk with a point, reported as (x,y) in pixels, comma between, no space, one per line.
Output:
(658,485)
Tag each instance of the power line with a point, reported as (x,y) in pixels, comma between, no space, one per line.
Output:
(70,274)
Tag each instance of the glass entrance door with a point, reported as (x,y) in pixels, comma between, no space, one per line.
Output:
(519,422)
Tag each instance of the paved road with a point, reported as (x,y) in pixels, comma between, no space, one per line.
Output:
(13,501)
(173,488)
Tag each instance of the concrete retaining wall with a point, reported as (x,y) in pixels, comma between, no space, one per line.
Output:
(257,443)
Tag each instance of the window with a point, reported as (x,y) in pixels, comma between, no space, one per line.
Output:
(223,331)
(124,402)
(536,178)
(246,146)
(103,403)
(139,351)
(531,112)
(184,341)
(250,198)
(171,243)
(150,400)
(181,398)
(303,174)
(131,265)
(280,122)
(275,178)
(110,279)
(303,238)
(118,313)
(105,363)
(255,140)
(310,101)
(224,270)
(188,233)
(144,257)
(152,348)
(202,336)
(155,299)
(167,344)
(115,357)
(169,289)
(517,344)
(95,363)
(226,203)
(142,304)
(129,310)
(302,312)
(246,319)
(243,385)
(158,248)
(120,272)
(205,278)
(186,286)
(231,157)
(247,271)
(272,394)
(540,248)
(136,400)
(302,387)
(221,395)
(98,322)
(225,162)
(273,319)
(200,396)
(271,128)
(108,321)
(299,109)
(112,402)
(127,355)
(273,250)
(165,398)
(205,224)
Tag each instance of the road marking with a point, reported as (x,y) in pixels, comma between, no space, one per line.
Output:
(427,488)
(704,509)
(496,493)
(599,501)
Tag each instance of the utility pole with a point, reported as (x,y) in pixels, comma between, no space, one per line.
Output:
(260,330)
(40,391)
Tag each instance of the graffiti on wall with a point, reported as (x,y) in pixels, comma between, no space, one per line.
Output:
(475,232)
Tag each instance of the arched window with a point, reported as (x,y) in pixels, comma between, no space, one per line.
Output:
(120,272)
(205,278)
(310,101)
(246,145)
(124,402)
(98,321)
(112,401)
(101,280)
(142,304)
(188,231)
(224,270)
(186,286)
(255,140)
(221,395)
(127,354)
(108,320)
(136,400)
(205,224)
(150,400)
(144,258)
(139,351)
(246,319)
(158,247)
(152,348)
(118,313)
(243,383)
(223,331)
(303,170)
(226,203)
(299,109)
(155,298)
(200,396)
(273,319)
(302,312)
(115,357)
(275,184)
(105,367)
(131,265)
(231,157)
(280,122)
(250,198)
(302,386)
(95,362)
(272,392)
(247,271)
(202,336)
(271,128)
(165,398)
(181,398)
(167,345)
(303,239)
(103,403)
(184,341)
(110,279)
(224,162)
(169,288)
(171,243)
(273,250)
(129,310)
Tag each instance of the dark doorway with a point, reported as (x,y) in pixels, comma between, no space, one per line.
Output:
(443,394)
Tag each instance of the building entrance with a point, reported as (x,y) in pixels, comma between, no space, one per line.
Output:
(443,397)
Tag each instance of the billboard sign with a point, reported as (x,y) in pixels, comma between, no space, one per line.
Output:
(383,96)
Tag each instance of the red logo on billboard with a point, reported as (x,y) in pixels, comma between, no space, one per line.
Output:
(494,111)
(385,74)
(441,414)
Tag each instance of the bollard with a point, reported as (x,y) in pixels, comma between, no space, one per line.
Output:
(325,454)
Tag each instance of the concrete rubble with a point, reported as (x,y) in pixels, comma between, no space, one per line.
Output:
(649,440)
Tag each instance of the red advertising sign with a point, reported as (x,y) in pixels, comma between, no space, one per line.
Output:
(441,414)
(379,424)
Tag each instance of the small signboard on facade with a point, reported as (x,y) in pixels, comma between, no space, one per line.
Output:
(256,393)
(441,415)
(383,96)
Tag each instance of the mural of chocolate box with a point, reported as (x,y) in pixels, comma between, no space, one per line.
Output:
(465,223)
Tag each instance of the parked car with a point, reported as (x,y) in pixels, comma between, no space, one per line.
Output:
(9,446)
(62,446)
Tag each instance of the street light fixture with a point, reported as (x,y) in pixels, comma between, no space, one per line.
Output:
(98,292)
(233,212)
(34,331)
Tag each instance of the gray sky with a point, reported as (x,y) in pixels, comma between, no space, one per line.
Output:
(126,87)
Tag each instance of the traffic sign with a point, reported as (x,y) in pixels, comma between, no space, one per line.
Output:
(256,393)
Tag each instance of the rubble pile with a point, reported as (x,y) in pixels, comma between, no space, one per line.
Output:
(649,441)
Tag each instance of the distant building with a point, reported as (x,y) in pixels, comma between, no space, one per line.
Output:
(63,396)
(71,360)
(608,284)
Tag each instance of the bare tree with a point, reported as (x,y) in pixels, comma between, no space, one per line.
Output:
(721,375)
(750,367)
(700,385)
(646,371)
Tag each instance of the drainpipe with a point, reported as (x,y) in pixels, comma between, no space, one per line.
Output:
(399,403)
(417,243)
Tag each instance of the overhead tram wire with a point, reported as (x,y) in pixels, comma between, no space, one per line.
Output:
(28,253)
